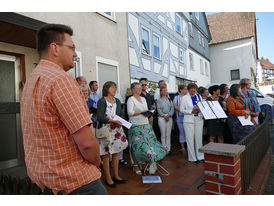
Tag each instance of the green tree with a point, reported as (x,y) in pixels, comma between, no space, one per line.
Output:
(151,87)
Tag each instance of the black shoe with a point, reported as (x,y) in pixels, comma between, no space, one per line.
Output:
(169,153)
(202,161)
(194,162)
(110,185)
(123,162)
(119,181)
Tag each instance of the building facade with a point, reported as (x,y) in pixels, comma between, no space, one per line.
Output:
(102,48)
(158,44)
(233,48)
(265,76)
(198,52)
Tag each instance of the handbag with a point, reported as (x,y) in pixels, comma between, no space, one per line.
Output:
(102,133)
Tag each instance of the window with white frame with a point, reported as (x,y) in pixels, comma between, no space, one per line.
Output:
(145,41)
(178,23)
(196,15)
(181,56)
(206,69)
(190,29)
(109,15)
(201,66)
(156,46)
(191,61)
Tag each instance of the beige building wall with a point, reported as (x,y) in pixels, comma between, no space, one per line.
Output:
(94,36)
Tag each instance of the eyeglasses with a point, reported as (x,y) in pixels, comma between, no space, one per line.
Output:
(73,48)
(144,84)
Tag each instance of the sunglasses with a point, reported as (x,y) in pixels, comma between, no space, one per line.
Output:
(144,84)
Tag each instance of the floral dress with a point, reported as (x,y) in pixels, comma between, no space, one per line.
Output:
(117,141)
(145,145)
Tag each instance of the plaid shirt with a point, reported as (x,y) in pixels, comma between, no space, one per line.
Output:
(251,99)
(52,109)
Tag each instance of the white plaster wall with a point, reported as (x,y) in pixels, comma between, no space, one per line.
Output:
(172,15)
(95,35)
(165,70)
(174,50)
(169,25)
(161,18)
(134,25)
(133,57)
(171,85)
(171,64)
(230,56)
(157,67)
(146,64)
(165,45)
(201,80)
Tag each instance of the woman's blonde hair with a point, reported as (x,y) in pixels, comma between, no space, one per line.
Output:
(83,87)
(161,89)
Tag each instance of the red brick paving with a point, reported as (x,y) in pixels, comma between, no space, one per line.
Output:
(184,178)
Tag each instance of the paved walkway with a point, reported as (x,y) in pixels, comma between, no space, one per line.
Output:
(184,178)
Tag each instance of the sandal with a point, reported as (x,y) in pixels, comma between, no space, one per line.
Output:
(137,170)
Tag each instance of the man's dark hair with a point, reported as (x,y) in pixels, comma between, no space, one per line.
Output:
(192,85)
(51,33)
(201,90)
(222,88)
(213,89)
(143,79)
(181,87)
(106,87)
(234,90)
(91,83)
(160,82)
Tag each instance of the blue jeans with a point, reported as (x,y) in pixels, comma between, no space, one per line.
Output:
(94,188)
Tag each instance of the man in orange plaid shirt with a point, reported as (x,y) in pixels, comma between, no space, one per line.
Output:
(61,151)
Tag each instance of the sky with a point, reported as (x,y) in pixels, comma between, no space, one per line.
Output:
(265,34)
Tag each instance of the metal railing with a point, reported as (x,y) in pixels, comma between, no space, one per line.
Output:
(256,146)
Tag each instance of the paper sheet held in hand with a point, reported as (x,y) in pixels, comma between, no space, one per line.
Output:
(244,121)
(124,122)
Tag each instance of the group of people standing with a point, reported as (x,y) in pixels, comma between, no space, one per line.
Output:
(144,148)
(59,122)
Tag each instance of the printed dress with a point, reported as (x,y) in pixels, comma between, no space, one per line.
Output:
(117,141)
(144,144)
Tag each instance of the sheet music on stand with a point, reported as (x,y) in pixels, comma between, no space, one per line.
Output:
(211,110)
